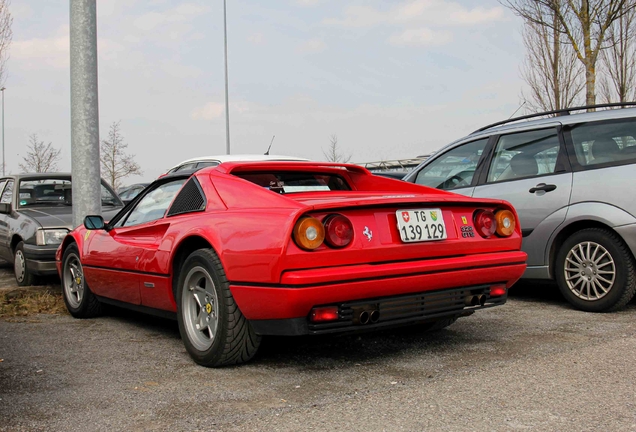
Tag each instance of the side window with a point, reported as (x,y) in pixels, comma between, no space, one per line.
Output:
(453,169)
(2,183)
(7,194)
(153,205)
(602,143)
(186,167)
(524,155)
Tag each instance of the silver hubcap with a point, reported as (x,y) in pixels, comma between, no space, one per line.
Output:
(589,271)
(19,266)
(200,310)
(73,281)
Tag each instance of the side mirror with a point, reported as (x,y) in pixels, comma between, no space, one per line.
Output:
(94,222)
(5,208)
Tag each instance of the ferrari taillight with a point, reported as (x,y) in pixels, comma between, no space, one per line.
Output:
(505,223)
(309,233)
(485,223)
(338,231)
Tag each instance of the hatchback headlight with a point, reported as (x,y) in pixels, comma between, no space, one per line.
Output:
(46,237)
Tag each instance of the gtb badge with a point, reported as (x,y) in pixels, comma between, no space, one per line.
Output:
(368,233)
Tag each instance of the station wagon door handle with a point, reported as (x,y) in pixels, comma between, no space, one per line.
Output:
(543,187)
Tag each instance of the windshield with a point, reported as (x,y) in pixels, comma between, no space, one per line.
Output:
(294,182)
(53,191)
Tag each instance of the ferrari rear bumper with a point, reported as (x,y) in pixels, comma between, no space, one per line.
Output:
(301,290)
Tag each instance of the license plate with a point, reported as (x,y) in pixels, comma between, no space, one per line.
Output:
(421,225)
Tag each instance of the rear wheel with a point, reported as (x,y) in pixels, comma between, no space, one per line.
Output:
(595,271)
(79,299)
(214,331)
(22,274)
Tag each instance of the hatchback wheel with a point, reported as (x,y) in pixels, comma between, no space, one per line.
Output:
(213,329)
(79,299)
(595,271)
(22,274)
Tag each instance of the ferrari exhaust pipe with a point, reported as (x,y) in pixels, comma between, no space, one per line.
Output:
(482,300)
(374,316)
(471,300)
(364,317)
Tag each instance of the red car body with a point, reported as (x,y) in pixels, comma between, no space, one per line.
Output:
(276,284)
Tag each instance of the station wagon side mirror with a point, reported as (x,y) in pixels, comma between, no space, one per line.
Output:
(5,208)
(94,222)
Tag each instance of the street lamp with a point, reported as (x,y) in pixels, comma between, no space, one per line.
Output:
(3,164)
(227,104)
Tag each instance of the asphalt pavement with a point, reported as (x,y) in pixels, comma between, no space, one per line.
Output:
(532,364)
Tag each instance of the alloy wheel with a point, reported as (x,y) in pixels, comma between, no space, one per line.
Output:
(74,281)
(590,271)
(200,310)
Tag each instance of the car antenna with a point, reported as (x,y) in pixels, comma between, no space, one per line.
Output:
(520,106)
(270,146)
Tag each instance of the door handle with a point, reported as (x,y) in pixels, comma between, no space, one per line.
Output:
(543,187)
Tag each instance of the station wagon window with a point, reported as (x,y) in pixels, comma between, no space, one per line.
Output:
(524,155)
(154,204)
(294,182)
(454,169)
(602,143)
(7,194)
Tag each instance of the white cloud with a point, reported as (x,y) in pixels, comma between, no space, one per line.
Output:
(209,111)
(256,39)
(307,3)
(37,53)
(311,46)
(437,13)
(420,37)
(182,13)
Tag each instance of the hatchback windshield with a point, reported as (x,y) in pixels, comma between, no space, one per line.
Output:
(54,191)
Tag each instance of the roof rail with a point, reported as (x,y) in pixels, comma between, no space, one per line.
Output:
(561,112)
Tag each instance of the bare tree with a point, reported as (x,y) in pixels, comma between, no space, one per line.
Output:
(333,153)
(584,24)
(6,36)
(618,83)
(116,164)
(550,68)
(40,157)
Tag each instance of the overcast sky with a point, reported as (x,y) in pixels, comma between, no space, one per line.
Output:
(392,79)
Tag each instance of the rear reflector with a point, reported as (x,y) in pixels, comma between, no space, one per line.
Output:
(497,290)
(322,314)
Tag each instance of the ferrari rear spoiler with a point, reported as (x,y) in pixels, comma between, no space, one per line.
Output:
(236,167)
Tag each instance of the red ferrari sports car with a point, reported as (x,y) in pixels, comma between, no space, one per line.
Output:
(244,250)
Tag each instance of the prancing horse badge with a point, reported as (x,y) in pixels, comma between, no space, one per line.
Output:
(368,233)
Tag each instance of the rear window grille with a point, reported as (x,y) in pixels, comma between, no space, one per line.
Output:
(190,199)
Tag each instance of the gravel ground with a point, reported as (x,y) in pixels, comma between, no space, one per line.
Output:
(533,363)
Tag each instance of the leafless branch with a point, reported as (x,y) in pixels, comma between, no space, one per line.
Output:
(116,164)
(333,153)
(40,157)
(6,36)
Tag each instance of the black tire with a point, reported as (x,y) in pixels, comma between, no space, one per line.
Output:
(23,276)
(438,325)
(233,340)
(602,296)
(79,299)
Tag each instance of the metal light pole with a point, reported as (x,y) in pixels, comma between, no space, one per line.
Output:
(227,103)
(3,163)
(85,167)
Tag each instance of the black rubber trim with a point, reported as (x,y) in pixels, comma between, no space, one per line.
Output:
(281,327)
(138,308)
(39,253)
(127,271)
(526,232)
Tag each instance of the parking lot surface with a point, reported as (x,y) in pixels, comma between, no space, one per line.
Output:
(534,363)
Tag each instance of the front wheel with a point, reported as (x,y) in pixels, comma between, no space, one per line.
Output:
(214,331)
(22,274)
(79,299)
(595,271)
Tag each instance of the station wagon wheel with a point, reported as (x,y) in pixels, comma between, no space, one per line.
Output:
(200,306)
(212,327)
(79,299)
(22,274)
(595,271)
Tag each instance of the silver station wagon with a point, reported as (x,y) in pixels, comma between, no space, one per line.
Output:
(571,179)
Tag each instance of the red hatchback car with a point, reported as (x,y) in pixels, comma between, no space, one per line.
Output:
(244,250)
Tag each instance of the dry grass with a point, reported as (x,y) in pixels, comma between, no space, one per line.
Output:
(24,302)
